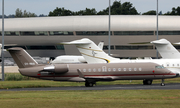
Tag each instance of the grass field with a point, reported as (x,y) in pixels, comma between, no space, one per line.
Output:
(84,99)
(91,99)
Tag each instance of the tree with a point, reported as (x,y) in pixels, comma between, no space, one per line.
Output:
(175,11)
(152,12)
(127,9)
(116,9)
(60,12)
(87,11)
(120,9)
(19,13)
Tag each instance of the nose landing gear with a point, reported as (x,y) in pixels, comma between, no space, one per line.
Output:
(162,82)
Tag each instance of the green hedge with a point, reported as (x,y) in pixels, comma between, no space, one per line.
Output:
(16,77)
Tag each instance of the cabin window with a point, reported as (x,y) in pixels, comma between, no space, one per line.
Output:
(119,69)
(89,70)
(129,69)
(114,69)
(159,67)
(140,69)
(84,70)
(104,69)
(94,70)
(109,69)
(99,69)
(124,69)
(135,69)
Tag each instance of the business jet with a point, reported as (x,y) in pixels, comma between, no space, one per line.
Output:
(93,54)
(88,73)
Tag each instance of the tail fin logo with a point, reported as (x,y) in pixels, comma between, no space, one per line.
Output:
(93,53)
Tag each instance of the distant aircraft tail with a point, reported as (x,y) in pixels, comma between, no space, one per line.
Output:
(166,49)
(100,45)
(91,52)
(22,58)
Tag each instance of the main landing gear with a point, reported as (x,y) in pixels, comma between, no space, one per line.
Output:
(147,82)
(90,84)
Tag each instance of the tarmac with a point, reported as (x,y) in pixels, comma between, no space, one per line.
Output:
(172,86)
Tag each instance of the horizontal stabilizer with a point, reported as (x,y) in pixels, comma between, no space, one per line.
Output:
(76,42)
(177,43)
(161,41)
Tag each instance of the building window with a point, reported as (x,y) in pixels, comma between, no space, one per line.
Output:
(11,33)
(124,47)
(105,47)
(60,33)
(27,33)
(168,32)
(38,33)
(133,32)
(92,33)
(41,47)
(60,47)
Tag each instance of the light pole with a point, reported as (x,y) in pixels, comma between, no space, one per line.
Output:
(2,52)
(109,48)
(157,26)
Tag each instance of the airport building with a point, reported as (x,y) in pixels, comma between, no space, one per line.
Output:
(41,36)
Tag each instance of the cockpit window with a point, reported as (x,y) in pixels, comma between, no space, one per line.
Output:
(159,67)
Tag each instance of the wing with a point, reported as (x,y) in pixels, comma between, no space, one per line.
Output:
(99,78)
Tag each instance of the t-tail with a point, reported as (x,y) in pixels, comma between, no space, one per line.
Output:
(22,58)
(91,52)
(166,49)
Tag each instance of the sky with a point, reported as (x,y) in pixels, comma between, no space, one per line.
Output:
(45,6)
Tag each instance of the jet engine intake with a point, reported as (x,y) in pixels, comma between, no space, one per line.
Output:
(59,69)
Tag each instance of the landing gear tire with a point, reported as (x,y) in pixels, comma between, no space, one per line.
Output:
(147,82)
(162,82)
(89,84)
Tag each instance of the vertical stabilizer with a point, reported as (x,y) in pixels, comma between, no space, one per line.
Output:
(166,49)
(91,52)
(22,58)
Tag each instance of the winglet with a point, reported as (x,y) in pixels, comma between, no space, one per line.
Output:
(80,73)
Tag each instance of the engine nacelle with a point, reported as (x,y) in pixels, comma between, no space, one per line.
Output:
(57,68)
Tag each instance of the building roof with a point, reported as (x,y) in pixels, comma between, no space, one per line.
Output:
(93,23)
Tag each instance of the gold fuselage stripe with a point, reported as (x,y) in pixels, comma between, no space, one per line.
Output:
(96,57)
